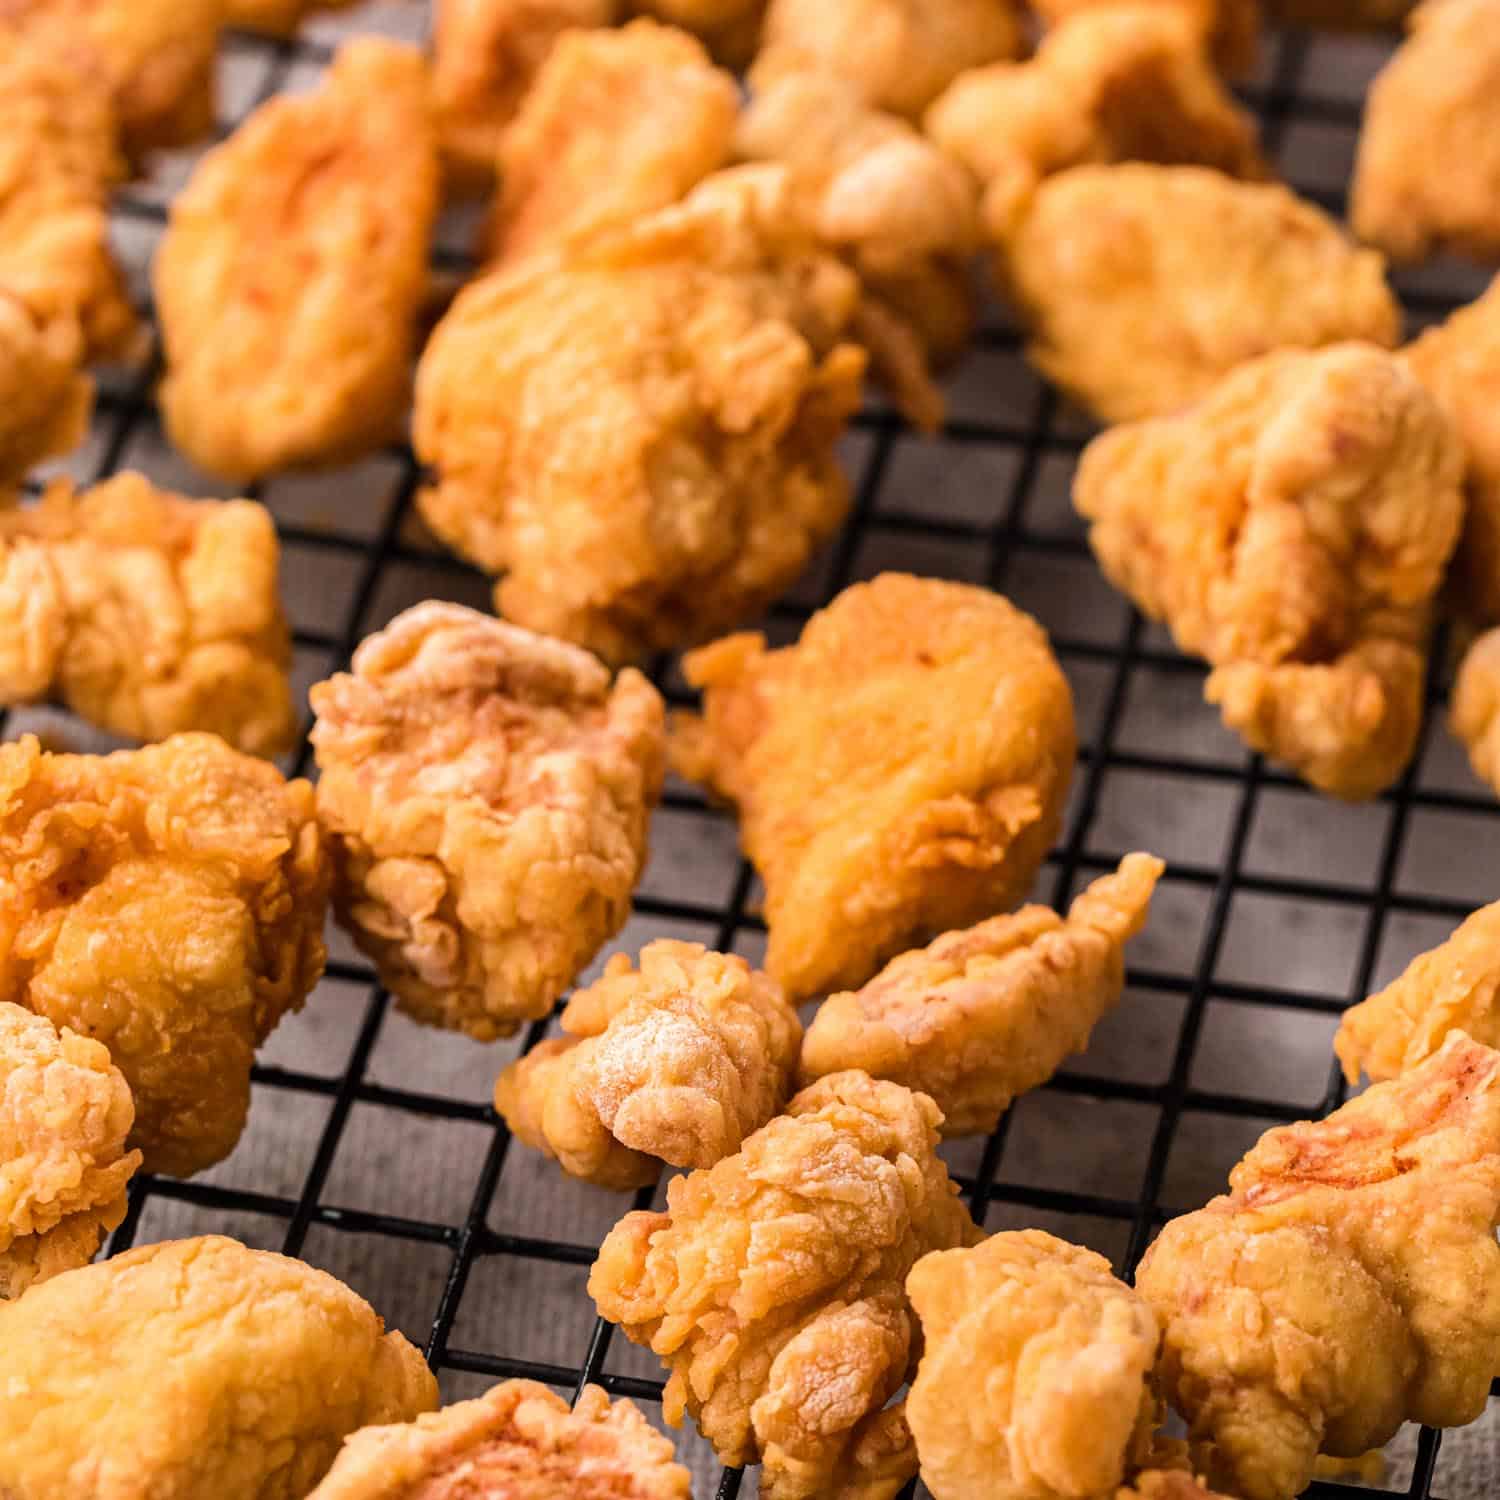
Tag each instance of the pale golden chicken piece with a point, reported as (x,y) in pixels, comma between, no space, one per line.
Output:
(1143,285)
(677,1062)
(1230,28)
(1293,529)
(981,1016)
(729,28)
(276,17)
(193,1368)
(1349,1281)
(640,432)
(1476,706)
(147,613)
(934,803)
(1122,83)
(167,902)
(773,1287)
(486,793)
(518,1441)
(1427,175)
(293,271)
(65,1111)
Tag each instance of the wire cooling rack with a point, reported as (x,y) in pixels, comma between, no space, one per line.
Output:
(372,1149)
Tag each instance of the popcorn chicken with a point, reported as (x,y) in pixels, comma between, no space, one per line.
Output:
(147,613)
(45,399)
(934,803)
(676,1063)
(1123,83)
(1144,285)
(486,793)
(276,17)
(773,1287)
(730,28)
(193,1368)
(639,432)
(293,269)
(169,903)
(1427,176)
(986,1014)
(1229,28)
(1167,1484)
(64,1114)
(1349,1281)
(1476,706)
(518,1439)
(1292,529)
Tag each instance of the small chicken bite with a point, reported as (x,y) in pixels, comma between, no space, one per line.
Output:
(45,399)
(191,1368)
(1293,529)
(1476,706)
(773,1287)
(729,28)
(517,1440)
(1229,28)
(981,1016)
(1167,1484)
(292,272)
(486,793)
(275,17)
(1347,1283)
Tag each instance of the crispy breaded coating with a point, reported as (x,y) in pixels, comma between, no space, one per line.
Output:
(518,1441)
(193,1368)
(486,793)
(1349,1281)
(147,613)
(1144,285)
(1123,83)
(773,1287)
(65,1111)
(1427,175)
(1229,28)
(1293,529)
(275,17)
(1476,706)
(293,269)
(933,804)
(729,28)
(168,902)
(983,1015)
(640,433)
(677,1062)
(1167,1484)
(1035,1380)
(45,399)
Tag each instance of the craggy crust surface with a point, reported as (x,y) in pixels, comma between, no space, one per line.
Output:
(1231,28)
(168,902)
(65,1111)
(193,1368)
(1035,1379)
(1144,285)
(982,1015)
(1349,1281)
(1427,176)
(931,806)
(275,17)
(147,613)
(641,432)
(677,1062)
(486,793)
(518,1441)
(1125,83)
(293,269)
(773,1287)
(1292,529)
(617,125)
(1476,706)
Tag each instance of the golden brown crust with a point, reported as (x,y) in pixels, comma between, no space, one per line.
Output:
(275,17)
(730,29)
(1167,1484)
(1230,28)
(1476,706)
(45,398)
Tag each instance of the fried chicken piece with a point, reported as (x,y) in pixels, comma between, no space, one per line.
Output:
(1167,1484)
(169,903)
(517,1440)
(486,793)
(45,399)
(192,1368)
(65,1111)
(1230,29)
(1349,1281)
(147,613)
(676,1063)
(773,1287)
(1476,706)
(640,432)
(276,17)
(934,803)
(1123,83)
(1144,285)
(1292,529)
(984,1015)
(729,28)
(293,269)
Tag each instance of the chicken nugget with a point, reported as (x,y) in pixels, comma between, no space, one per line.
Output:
(729,28)
(193,1368)
(1476,706)
(1229,28)
(1293,529)
(293,269)
(275,17)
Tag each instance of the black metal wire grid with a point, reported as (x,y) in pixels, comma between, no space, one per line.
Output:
(986,502)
